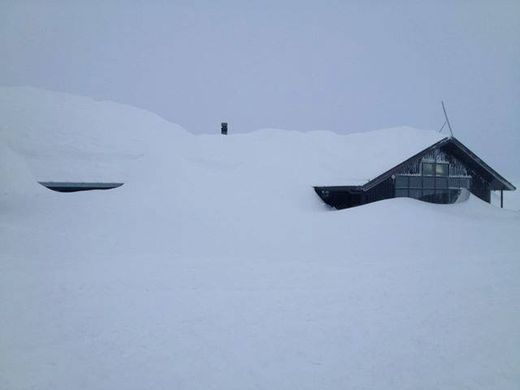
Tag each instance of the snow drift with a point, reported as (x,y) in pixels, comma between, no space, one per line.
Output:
(15,176)
(216,265)
(67,137)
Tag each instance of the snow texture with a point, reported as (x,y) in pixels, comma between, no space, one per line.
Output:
(217,266)
(15,176)
(66,137)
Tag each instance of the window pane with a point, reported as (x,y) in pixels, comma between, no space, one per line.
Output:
(401,193)
(401,182)
(427,169)
(415,181)
(428,182)
(459,182)
(428,195)
(441,182)
(442,196)
(417,194)
(454,182)
(428,192)
(441,169)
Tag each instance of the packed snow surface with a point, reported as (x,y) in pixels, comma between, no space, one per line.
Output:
(217,266)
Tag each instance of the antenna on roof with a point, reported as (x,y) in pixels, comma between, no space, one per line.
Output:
(447,121)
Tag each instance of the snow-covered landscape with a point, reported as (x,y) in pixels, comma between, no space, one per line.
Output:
(216,265)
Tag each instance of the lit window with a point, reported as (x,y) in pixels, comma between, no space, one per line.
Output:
(441,169)
(427,169)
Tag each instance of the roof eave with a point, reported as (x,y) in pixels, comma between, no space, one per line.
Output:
(508,185)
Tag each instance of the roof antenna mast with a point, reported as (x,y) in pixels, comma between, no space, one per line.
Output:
(447,121)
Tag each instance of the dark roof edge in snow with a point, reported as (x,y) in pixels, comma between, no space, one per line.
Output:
(79,186)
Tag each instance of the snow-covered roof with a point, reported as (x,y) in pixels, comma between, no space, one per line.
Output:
(66,137)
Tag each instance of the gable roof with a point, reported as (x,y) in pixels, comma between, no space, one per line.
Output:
(458,149)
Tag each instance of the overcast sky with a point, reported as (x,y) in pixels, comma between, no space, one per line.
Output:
(304,65)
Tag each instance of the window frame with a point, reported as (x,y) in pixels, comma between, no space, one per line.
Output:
(429,183)
(427,163)
(434,165)
(446,164)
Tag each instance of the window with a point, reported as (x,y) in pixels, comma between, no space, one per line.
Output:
(428,169)
(428,192)
(435,169)
(415,181)
(454,182)
(459,182)
(441,182)
(401,193)
(428,182)
(401,182)
(441,169)
(433,185)
(417,194)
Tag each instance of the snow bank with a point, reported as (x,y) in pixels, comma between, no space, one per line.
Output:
(67,137)
(511,198)
(217,266)
(15,177)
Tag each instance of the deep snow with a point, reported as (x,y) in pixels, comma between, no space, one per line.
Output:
(216,265)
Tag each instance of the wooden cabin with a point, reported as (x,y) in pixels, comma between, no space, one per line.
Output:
(437,174)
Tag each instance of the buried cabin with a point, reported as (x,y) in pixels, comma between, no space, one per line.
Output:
(438,174)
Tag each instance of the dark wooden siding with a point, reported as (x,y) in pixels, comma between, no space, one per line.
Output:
(384,190)
(340,197)
(481,188)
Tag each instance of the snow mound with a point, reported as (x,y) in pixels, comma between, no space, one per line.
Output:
(217,266)
(68,137)
(15,176)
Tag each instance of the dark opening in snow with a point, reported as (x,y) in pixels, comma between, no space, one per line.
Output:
(78,186)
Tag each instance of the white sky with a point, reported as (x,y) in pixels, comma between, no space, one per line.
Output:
(336,65)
